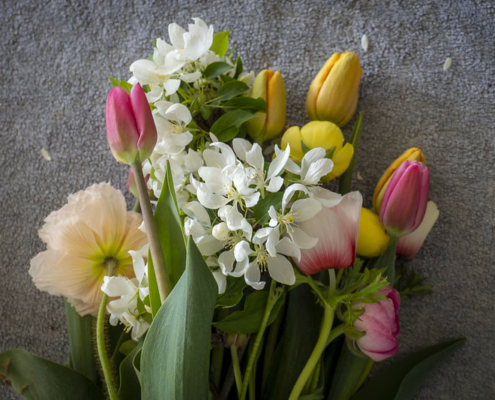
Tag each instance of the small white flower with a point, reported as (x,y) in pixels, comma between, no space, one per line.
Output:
(313,167)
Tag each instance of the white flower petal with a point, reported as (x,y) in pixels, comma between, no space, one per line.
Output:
(221,280)
(289,192)
(226,262)
(252,276)
(305,209)
(327,198)
(176,34)
(278,163)
(302,239)
(317,169)
(171,86)
(241,147)
(281,270)
(289,248)
(242,250)
(275,184)
(254,157)
(116,286)
(179,113)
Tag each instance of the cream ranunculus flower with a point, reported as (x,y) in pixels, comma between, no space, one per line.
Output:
(83,238)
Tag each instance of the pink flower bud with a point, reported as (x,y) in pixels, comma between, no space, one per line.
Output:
(380,322)
(337,231)
(131,131)
(404,202)
(409,245)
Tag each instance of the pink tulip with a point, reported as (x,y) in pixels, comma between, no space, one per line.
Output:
(404,202)
(337,231)
(380,322)
(409,245)
(131,131)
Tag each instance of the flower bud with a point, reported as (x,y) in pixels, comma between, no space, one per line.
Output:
(320,134)
(380,322)
(373,238)
(333,94)
(236,339)
(269,86)
(221,231)
(413,154)
(409,245)
(337,231)
(404,202)
(131,131)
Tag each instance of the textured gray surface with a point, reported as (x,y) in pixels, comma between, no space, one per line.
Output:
(56,56)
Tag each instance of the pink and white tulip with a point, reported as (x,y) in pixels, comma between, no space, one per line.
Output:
(404,202)
(380,322)
(131,130)
(409,245)
(337,231)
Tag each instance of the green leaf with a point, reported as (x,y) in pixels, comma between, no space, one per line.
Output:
(238,67)
(37,378)
(128,346)
(215,69)
(81,342)
(155,300)
(301,332)
(227,126)
(249,319)
(170,231)
(248,104)
(130,388)
(220,43)
(176,353)
(387,260)
(230,90)
(345,179)
(402,379)
(122,84)
(205,112)
(260,211)
(233,293)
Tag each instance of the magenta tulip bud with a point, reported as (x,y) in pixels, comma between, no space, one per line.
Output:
(337,230)
(404,202)
(131,131)
(380,323)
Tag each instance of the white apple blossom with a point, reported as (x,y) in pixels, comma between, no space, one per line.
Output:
(125,309)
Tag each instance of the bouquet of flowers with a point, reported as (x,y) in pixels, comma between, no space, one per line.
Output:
(238,273)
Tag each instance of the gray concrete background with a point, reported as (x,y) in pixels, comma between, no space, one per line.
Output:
(56,56)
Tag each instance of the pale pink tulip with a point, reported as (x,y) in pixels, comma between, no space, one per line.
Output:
(404,202)
(409,245)
(380,322)
(131,130)
(337,231)
(82,238)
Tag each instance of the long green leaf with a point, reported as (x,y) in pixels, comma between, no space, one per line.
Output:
(402,380)
(130,388)
(170,230)
(215,69)
(226,127)
(37,378)
(81,342)
(249,319)
(176,353)
(298,340)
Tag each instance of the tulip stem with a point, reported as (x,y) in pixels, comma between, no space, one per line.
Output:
(387,260)
(321,344)
(237,368)
(100,342)
(163,281)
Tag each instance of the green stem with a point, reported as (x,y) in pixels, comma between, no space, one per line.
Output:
(335,333)
(137,206)
(315,378)
(272,299)
(387,260)
(163,281)
(339,275)
(365,374)
(237,368)
(345,179)
(102,352)
(321,344)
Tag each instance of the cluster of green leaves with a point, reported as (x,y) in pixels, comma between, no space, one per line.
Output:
(412,286)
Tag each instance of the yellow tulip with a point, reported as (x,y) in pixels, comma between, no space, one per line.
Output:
(413,154)
(269,86)
(373,238)
(333,94)
(319,134)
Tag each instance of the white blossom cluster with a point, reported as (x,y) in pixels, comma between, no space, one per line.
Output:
(219,187)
